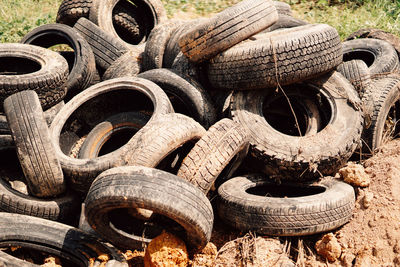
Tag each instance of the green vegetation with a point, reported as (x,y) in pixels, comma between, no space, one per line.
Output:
(17,17)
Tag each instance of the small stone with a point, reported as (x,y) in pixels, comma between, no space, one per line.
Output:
(328,247)
(368,197)
(363,258)
(355,175)
(347,259)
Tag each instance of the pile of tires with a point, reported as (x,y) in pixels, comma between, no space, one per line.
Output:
(137,122)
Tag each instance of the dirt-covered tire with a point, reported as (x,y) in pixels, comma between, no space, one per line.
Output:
(127,121)
(127,65)
(307,157)
(222,148)
(186,95)
(70,11)
(283,56)
(101,14)
(58,239)
(285,21)
(283,8)
(377,34)
(81,172)
(83,65)
(358,74)
(28,67)
(35,150)
(146,188)
(307,209)
(161,137)
(382,111)
(227,28)
(379,55)
(105,47)
(172,49)
(127,23)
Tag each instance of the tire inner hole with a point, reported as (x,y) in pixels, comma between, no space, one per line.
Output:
(117,140)
(365,56)
(18,66)
(285,191)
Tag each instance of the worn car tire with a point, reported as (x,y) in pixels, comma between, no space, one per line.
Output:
(127,65)
(139,187)
(186,95)
(83,65)
(282,57)
(70,11)
(35,150)
(298,158)
(313,211)
(222,148)
(358,74)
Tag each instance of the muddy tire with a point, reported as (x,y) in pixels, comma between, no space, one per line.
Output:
(81,172)
(55,238)
(70,11)
(28,67)
(312,209)
(106,48)
(35,150)
(379,55)
(186,95)
(102,10)
(222,148)
(93,143)
(158,139)
(227,28)
(81,72)
(128,65)
(252,64)
(357,72)
(307,157)
(139,187)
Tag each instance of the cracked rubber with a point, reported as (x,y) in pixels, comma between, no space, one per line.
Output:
(223,146)
(300,53)
(35,150)
(227,28)
(357,72)
(285,216)
(146,188)
(302,158)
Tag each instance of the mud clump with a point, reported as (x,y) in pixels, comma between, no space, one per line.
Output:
(355,175)
(328,247)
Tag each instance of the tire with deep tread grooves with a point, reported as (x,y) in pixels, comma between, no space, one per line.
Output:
(39,69)
(285,216)
(84,65)
(70,11)
(156,190)
(127,65)
(57,239)
(35,150)
(106,48)
(184,90)
(227,28)
(379,55)
(81,172)
(283,56)
(224,145)
(302,158)
(358,74)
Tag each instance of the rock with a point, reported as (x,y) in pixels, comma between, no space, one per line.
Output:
(347,259)
(52,262)
(363,258)
(166,250)
(355,175)
(19,186)
(368,197)
(328,247)
(206,257)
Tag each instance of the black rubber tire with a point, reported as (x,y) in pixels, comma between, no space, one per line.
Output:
(83,65)
(100,134)
(158,139)
(157,43)
(184,91)
(128,23)
(106,48)
(285,216)
(285,21)
(183,66)
(283,8)
(358,74)
(223,147)
(32,68)
(300,158)
(127,65)
(379,55)
(35,150)
(81,172)
(227,28)
(101,14)
(377,34)
(380,97)
(55,238)
(70,11)
(156,190)
(300,53)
